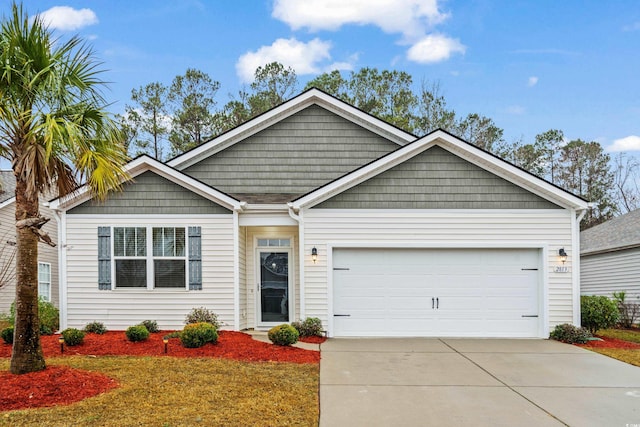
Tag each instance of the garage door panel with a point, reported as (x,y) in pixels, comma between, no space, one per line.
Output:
(480,292)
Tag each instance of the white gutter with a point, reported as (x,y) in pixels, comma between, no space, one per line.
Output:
(62,266)
(301,255)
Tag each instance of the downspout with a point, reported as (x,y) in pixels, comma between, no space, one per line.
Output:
(62,267)
(301,255)
(575,260)
(236,265)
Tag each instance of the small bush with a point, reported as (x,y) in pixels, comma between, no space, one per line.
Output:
(48,314)
(598,312)
(137,333)
(202,315)
(95,328)
(629,311)
(151,325)
(196,335)
(73,336)
(283,335)
(311,326)
(570,334)
(174,334)
(7,335)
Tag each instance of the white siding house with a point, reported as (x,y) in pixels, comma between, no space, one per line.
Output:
(610,257)
(316,209)
(47,255)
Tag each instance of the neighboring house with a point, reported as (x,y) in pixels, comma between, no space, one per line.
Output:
(610,257)
(47,255)
(316,209)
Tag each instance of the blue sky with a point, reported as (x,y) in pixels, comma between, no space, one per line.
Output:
(529,65)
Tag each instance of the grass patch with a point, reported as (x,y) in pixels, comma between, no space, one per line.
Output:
(166,391)
(622,334)
(629,356)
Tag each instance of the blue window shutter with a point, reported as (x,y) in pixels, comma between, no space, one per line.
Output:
(195,259)
(104,258)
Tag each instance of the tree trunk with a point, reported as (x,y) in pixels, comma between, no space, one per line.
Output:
(27,353)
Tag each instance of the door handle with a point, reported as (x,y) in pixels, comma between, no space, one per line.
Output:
(437,303)
(341,315)
(433,301)
(529,315)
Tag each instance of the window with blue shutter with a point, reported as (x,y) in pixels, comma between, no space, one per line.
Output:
(195,259)
(104,258)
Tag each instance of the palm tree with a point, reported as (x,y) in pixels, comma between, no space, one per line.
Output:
(56,133)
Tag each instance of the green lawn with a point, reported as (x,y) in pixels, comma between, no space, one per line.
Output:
(631,335)
(166,391)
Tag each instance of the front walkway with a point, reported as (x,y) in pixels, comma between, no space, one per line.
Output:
(473,382)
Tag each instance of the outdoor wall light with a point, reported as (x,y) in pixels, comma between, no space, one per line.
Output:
(61,341)
(314,255)
(165,340)
(563,255)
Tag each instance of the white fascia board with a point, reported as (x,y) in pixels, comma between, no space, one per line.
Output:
(302,101)
(144,164)
(459,147)
(7,202)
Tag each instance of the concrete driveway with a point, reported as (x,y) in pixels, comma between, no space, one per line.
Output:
(473,382)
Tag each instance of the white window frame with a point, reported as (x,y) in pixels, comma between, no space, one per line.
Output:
(41,282)
(150,258)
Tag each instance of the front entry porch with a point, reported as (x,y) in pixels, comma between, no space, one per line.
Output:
(269,276)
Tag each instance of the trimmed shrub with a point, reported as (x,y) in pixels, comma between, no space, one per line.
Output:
(202,315)
(137,333)
(284,334)
(73,336)
(196,335)
(570,334)
(311,326)
(7,335)
(598,312)
(95,328)
(48,314)
(629,311)
(151,325)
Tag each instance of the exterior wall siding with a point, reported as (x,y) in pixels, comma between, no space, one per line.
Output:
(46,254)
(604,274)
(294,156)
(121,308)
(253,233)
(452,228)
(436,179)
(149,194)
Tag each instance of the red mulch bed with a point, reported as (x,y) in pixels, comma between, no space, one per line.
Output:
(59,385)
(56,385)
(313,339)
(230,345)
(611,343)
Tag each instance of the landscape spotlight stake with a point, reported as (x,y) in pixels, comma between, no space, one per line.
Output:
(61,341)
(165,340)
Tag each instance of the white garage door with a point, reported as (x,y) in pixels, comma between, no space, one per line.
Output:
(436,292)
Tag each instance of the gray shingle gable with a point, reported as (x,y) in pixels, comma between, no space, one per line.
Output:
(436,179)
(149,194)
(293,156)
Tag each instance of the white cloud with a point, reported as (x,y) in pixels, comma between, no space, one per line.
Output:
(632,27)
(516,110)
(533,80)
(629,143)
(66,18)
(434,48)
(304,58)
(408,17)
